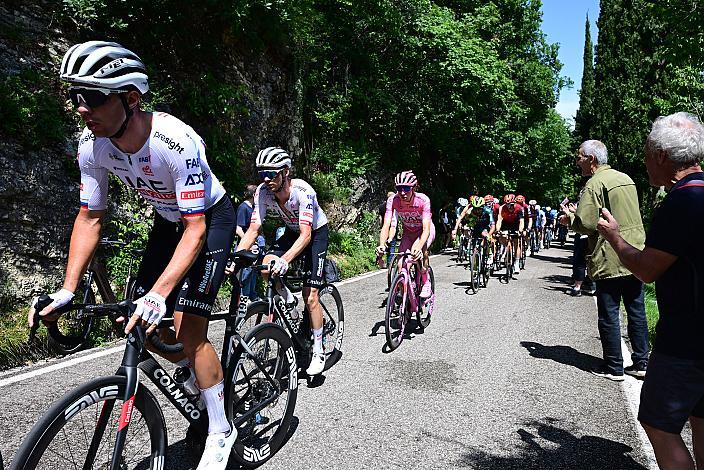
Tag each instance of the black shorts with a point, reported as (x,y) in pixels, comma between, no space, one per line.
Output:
(510,227)
(200,285)
(313,255)
(673,391)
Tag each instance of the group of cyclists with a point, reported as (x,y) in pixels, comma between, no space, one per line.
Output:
(486,219)
(186,257)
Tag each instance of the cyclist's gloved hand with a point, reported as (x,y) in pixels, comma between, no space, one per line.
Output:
(151,309)
(380,250)
(59,299)
(280,267)
(417,253)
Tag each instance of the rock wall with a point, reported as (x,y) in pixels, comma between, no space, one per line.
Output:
(39,189)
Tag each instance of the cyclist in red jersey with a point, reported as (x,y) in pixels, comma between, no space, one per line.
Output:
(511,218)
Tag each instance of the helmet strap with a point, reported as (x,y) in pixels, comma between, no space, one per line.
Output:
(128,115)
(284,177)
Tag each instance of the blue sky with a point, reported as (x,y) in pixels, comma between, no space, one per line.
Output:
(563,23)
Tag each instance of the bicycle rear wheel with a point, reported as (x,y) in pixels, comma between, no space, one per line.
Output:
(333,323)
(261,407)
(425,310)
(397,315)
(69,334)
(79,430)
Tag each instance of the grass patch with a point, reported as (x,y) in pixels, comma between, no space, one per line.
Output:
(651,311)
(14,349)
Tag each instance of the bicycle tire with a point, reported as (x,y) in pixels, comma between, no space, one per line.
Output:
(473,281)
(486,265)
(78,403)
(509,265)
(522,259)
(68,334)
(262,435)
(425,310)
(391,270)
(333,323)
(397,307)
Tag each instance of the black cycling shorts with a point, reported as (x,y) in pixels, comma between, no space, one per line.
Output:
(313,255)
(510,227)
(673,391)
(200,285)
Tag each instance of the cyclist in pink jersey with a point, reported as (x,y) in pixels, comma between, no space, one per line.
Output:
(413,210)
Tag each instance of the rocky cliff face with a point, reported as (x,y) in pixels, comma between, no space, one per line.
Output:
(39,188)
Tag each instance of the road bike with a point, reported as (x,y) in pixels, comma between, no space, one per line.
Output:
(274,309)
(114,423)
(463,247)
(487,265)
(547,238)
(511,254)
(404,300)
(524,252)
(71,332)
(533,242)
(476,260)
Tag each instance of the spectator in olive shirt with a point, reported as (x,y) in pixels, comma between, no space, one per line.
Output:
(673,391)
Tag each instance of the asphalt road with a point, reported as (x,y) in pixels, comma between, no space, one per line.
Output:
(497,381)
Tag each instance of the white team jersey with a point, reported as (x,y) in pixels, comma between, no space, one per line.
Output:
(301,208)
(170,171)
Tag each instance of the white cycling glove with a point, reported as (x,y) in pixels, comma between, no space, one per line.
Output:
(151,308)
(280,266)
(60,298)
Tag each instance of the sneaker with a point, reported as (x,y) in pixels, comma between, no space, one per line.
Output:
(217,450)
(591,291)
(317,364)
(574,292)
(516,268)
(427,290)
(635,371)
(602,371)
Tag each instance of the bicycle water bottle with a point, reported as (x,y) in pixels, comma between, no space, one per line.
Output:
(186,381)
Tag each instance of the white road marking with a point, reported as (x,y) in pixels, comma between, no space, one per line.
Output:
(631,390)
(106,352)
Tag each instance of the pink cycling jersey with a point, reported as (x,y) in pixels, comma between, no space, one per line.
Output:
(412,215)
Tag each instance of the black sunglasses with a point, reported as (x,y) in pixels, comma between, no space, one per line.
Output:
(403,188)
(93,97)
(271,174)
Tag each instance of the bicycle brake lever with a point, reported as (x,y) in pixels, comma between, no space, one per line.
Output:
(42,302)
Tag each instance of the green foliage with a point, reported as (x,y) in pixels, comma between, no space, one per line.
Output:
(584,119)
(353,249)
(651,311)
(31,111)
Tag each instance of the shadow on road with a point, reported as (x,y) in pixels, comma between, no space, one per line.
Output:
(182,455)
(563,354)
(550,447)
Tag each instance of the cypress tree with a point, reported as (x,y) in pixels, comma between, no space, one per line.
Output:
(584,118)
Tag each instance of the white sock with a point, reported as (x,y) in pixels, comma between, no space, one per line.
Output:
(318,340)
(215,404)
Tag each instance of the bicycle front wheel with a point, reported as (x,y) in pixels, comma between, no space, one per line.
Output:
(79,430)
(473,271)
(396,312)
(262,385)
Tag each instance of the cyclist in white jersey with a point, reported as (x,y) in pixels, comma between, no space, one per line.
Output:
(294,202)
(163,159)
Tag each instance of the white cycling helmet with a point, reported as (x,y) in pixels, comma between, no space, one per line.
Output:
(537,207)
(532,202)
(273,158)
(406,178)
(107,65)
(462,202)
(548,208)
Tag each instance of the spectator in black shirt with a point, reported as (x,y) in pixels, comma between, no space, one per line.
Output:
(673,391)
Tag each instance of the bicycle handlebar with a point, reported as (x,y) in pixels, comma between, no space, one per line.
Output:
(124,309)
